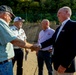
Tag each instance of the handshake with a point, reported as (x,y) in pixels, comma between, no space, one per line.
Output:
(35,47)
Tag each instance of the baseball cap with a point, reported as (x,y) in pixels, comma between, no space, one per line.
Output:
(18,19)
(5,8)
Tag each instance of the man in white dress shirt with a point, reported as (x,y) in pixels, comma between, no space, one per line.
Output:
(44,55)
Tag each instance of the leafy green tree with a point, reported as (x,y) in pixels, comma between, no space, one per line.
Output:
(34,10)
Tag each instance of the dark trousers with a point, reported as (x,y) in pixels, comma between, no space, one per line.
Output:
(44,56)
(19,58)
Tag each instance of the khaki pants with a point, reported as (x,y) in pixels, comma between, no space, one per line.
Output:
(56,73)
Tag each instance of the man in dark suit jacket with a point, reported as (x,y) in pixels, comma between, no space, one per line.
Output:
(64,43)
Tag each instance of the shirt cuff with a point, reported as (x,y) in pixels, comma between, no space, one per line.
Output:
(40,45)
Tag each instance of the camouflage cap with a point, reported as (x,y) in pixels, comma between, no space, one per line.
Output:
(6,9)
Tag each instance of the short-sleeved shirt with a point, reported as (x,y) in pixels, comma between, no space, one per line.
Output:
(6,36)
(45,35)
(19,33)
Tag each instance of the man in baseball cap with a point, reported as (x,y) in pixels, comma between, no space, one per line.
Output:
(18,19)
(20,33)
(5,8)
(7,40)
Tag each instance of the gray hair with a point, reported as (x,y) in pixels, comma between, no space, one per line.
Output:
(68,9)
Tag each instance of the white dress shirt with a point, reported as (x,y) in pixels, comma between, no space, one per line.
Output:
(61,27)
(44,35)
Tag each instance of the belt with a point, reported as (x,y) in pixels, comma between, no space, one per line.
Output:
(5,61)
(16,47)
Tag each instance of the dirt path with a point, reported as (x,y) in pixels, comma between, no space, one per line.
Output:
(30,66)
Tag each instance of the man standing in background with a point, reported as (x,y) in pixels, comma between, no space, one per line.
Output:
(45,54)
(19,54)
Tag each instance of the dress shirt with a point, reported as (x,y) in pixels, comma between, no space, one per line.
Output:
(44,35)
(61,27)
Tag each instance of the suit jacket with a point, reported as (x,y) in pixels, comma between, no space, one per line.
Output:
(64,46)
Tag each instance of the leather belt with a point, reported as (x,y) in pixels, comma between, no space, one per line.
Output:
(5,61)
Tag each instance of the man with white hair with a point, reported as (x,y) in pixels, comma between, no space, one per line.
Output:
(64,43)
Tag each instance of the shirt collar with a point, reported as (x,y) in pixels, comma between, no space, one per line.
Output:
(64,22)
(4,21)
(47,29)
(16,28)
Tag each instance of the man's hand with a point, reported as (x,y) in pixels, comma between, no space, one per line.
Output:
(50,50)
(61,69)
(35,47)
(36,53)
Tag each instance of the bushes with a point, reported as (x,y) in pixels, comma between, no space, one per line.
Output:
(35,17)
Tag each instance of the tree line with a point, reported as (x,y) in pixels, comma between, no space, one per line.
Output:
(36,10)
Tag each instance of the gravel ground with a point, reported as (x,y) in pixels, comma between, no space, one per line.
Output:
(30,65)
